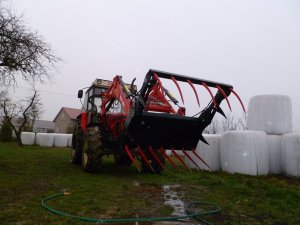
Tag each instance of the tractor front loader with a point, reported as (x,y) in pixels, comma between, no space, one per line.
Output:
(139,125)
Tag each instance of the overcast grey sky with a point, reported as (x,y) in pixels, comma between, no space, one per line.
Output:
(253,45)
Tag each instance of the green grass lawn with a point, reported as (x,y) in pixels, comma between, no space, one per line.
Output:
(31,173)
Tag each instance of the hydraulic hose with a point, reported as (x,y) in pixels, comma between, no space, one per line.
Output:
(190,213)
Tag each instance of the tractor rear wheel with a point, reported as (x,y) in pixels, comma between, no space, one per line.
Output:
(77,144)
(92,150)
(155,165)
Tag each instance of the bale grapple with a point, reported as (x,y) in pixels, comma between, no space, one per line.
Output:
(140,125)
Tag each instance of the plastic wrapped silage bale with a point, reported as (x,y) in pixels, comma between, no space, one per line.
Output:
(290,154)
(70,136)
(270,113)
(28,138)
(209,153)
(244,152)
(45,139)
(61,140)
(274,149)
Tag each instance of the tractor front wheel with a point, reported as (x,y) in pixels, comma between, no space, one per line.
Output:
(92,150)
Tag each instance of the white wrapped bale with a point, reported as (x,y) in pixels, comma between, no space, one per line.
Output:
(291,154)
(70,136)
(244,152)
(45,139)
(209,153)
(270,113)
(61,140)
(274,149)
(28,138)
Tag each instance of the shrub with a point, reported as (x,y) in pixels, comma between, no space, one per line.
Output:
(5,132)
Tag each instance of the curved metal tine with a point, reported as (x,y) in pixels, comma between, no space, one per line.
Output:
(190,158)
(211,94)
(163,151)
(219,110)
(131,158)
(238,97)
(202,160)
(178,87)
(225,96)
(156,158)
(194,89)
(180,159)
(145,158)
(158,80)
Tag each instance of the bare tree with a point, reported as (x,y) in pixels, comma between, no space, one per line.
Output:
(222,125)
(22,112)
(243,122)
(214,127)
(231,123)
(23,53)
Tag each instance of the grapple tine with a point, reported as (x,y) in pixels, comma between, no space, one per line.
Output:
(131,158)
(180,159)
(225,96)
(158,80)
(202,160)
(156,158)
(190,158)
(238,97)
(194,89)
(219,110)
(211,94)
(178,87)
(203,139)
(145,158)
(163,151)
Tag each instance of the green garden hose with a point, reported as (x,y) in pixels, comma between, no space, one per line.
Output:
(190,213)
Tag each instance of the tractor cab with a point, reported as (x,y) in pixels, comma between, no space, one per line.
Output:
(92,99)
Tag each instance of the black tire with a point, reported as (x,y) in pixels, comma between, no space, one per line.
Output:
(122,159)
(92,150)
(155,165)
(77,144)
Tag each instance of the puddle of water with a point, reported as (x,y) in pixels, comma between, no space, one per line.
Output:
(173,199)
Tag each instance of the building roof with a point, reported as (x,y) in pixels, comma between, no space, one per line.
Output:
(71,112)
(44,124)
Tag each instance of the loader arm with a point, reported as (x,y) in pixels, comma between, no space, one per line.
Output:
(169,129)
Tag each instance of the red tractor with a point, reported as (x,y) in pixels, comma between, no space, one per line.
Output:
(139,125)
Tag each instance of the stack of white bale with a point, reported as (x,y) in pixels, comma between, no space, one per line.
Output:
(47,139)
(209,153)
(273,115)
(268,146)
(28,138)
